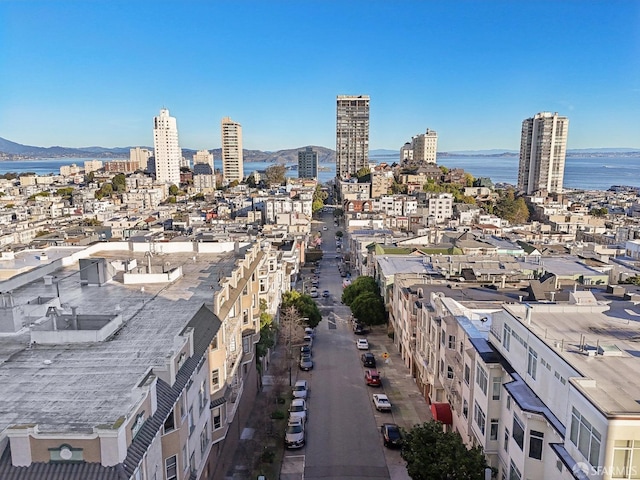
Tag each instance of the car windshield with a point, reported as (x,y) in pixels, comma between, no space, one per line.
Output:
(297,408)
(299,388)
(393,433)
(295,428)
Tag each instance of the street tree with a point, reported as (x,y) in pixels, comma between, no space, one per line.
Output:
(368,307)
(339,234)
(267,331)
(304,305)
(174,190)
(432,454)
(360,285)
(275,174)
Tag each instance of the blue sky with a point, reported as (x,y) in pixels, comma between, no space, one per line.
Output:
(93,72)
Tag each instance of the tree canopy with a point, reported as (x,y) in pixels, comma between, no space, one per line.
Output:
(432,454)
(360,285)
(510,208)
(275,174)
(368,307)
(304,305)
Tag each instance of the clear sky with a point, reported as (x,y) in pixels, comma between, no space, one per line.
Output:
(95,72)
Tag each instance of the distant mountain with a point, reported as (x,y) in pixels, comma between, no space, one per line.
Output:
(14,151)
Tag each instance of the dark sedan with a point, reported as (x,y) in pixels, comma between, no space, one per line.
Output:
(368,360)
(391,435)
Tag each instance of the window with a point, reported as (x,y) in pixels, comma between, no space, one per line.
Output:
(506,337)
(246,344)
(232,344)
(514,473)
(518,431)
(585,437)
(496,387)
(626,458)
(214,343)
(215,379)
(481,378)
(449,372)
(245,317)
(467,373)
(204,439)
(137,425)
(171,467)
(192,424)
(465,408)
(452,342)
(170,423)
(493,429)
(442,336)
(536,442)
(202,396)
(217,418)
(183,405)
(479,416)
(532,363)
(509,402)
(506,439)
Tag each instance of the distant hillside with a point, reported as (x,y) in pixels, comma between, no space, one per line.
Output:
(14,151)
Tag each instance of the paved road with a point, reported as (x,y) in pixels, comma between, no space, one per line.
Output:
(343,440)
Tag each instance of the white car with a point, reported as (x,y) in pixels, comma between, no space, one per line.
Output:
(298,409)
(324,228)
(362,344)
(294,436)
(381,402)
(300,389)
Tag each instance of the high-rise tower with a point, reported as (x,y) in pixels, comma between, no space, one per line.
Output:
(307,163)
(543,149)
(232,161)
(167,150)
(352,134)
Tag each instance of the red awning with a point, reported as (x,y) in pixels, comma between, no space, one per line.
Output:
(442,413)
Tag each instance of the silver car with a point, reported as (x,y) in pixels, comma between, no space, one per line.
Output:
(294,436)
(298,409)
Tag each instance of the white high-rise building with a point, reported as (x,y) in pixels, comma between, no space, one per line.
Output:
(352,134)
(543,149)
(168,153)
(422,149)
(140,156)
(232,161)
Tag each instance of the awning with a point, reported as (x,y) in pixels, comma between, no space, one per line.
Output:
(442,413)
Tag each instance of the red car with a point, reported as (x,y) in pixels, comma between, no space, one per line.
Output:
(372,378)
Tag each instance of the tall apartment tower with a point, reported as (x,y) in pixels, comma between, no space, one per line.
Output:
(232,162)
(168,153)
(352,134)
(424,146)
(543,149)
(307,163)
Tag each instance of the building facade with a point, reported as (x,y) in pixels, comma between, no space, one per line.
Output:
(352,134)
(232,160)
(203,163)
(140,156)
(422,148)
(543,148)
(167,149)
(307,163)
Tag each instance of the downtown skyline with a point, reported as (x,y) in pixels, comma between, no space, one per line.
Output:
(83,74)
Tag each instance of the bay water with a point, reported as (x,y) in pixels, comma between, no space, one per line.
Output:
(581,173)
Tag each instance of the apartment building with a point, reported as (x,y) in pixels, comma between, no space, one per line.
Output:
(167,151)
(307,163)
(352,134)
(232,154)
(146,352)
(547,389)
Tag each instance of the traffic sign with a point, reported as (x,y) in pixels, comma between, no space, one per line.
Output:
(385,355)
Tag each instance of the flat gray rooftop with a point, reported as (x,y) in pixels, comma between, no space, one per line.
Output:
(617,330)
(86,385)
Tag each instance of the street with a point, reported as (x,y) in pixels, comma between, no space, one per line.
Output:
(343,437)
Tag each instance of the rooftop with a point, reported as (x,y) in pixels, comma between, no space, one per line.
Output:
(77,387)
(610,356)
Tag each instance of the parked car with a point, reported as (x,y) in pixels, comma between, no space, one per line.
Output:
(314,292)
(298,409)
(362,344)
(368,359)
(306,363)
(309,331)
(391,436)
(305,349)
(300,389)
(294,436)
(359,329)
(326,294)
(324,227)
(372,378)
(381,402)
